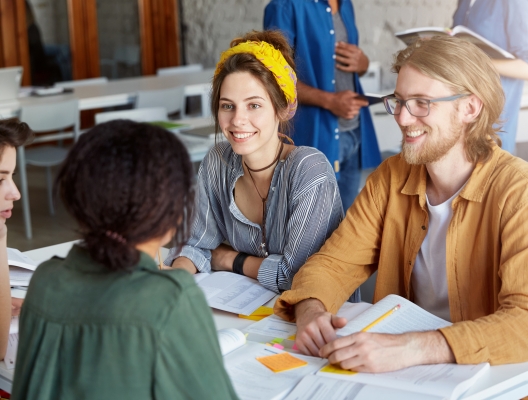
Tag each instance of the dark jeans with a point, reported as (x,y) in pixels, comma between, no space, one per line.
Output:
(349,172)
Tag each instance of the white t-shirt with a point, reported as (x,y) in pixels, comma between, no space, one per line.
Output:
(429,279)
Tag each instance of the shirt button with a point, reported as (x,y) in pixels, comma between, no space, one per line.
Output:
(337,137)
(333,81)
(331,31)
(273,188)
(336,130)
(334,56)
(423,227)
(328,9)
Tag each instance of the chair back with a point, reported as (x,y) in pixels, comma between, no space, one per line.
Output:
(47,116)
(172,99)
(138,115)
(82,82)
(182,69)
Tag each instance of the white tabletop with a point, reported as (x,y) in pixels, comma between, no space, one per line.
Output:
(508,381)
(113,93)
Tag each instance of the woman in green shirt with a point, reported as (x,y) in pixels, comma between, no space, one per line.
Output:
(105,322)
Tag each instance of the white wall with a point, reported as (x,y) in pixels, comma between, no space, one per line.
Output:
(213,23)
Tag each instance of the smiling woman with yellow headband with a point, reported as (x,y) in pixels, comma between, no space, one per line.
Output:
(274,203)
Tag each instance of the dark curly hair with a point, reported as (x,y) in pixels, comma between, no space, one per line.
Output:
(129,180)
(13,133)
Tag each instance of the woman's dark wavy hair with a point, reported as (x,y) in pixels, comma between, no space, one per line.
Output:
(13,133)
(128,178)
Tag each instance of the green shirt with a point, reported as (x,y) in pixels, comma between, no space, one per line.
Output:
(90,333)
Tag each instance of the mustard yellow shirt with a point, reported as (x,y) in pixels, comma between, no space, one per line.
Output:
(486,254)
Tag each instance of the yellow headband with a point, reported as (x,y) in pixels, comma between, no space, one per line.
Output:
(274,61)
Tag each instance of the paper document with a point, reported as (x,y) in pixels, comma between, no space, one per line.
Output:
(254,381)
(11,352)
(446,380)
(409,317)
(322,388)
(273,326)
(230,339)
(234,293)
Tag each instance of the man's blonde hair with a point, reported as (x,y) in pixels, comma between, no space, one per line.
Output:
(465,69)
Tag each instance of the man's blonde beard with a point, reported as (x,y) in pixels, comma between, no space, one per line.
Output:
(433,149)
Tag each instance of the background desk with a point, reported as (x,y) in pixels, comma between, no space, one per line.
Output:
(500,382)
(113,93)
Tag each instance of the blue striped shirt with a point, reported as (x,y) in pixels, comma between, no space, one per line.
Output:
(303,209)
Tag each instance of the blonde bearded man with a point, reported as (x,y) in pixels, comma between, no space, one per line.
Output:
(442,223)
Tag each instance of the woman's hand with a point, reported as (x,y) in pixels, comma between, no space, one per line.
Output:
(16,305)
(222,258)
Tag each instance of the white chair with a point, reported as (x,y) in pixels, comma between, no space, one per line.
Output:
(82,82)
(172,99)
(196,146)
(138,115)
(45,117)
(181,69)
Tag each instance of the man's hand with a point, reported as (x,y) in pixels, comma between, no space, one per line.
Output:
(350,58)
(346,104)
(376,352)
(315,326)
(222,258)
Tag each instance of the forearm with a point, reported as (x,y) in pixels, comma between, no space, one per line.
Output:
(428,348)
(517,69)
(308,307)
(312,96)
(5,298)
(184,263)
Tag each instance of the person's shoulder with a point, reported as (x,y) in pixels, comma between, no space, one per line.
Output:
(221,152)
(308,160)
(510,168)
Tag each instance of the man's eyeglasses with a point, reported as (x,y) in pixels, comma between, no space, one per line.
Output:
(416,107)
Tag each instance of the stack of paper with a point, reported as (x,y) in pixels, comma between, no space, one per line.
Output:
(21,268)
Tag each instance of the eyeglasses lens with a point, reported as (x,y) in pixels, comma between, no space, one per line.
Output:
(417,107)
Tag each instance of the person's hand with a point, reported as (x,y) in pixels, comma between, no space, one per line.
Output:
(315,326)
(222,258)
(346,104)
(16,305)
(350,58)
(376,352)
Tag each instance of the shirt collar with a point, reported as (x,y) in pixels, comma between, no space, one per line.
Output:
(476,185)
(79,259)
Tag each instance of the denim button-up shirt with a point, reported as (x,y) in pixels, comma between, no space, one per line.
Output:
(309,28)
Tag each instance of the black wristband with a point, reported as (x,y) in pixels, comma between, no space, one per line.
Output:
(238,263)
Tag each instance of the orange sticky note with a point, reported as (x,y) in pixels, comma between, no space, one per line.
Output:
(336,369)
(281,362)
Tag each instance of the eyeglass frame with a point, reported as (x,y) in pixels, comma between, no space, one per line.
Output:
(429,101)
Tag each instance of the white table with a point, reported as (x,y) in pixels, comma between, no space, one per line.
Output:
(113,93)
(508,381)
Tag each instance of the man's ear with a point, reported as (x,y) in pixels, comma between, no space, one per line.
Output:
(470,108)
